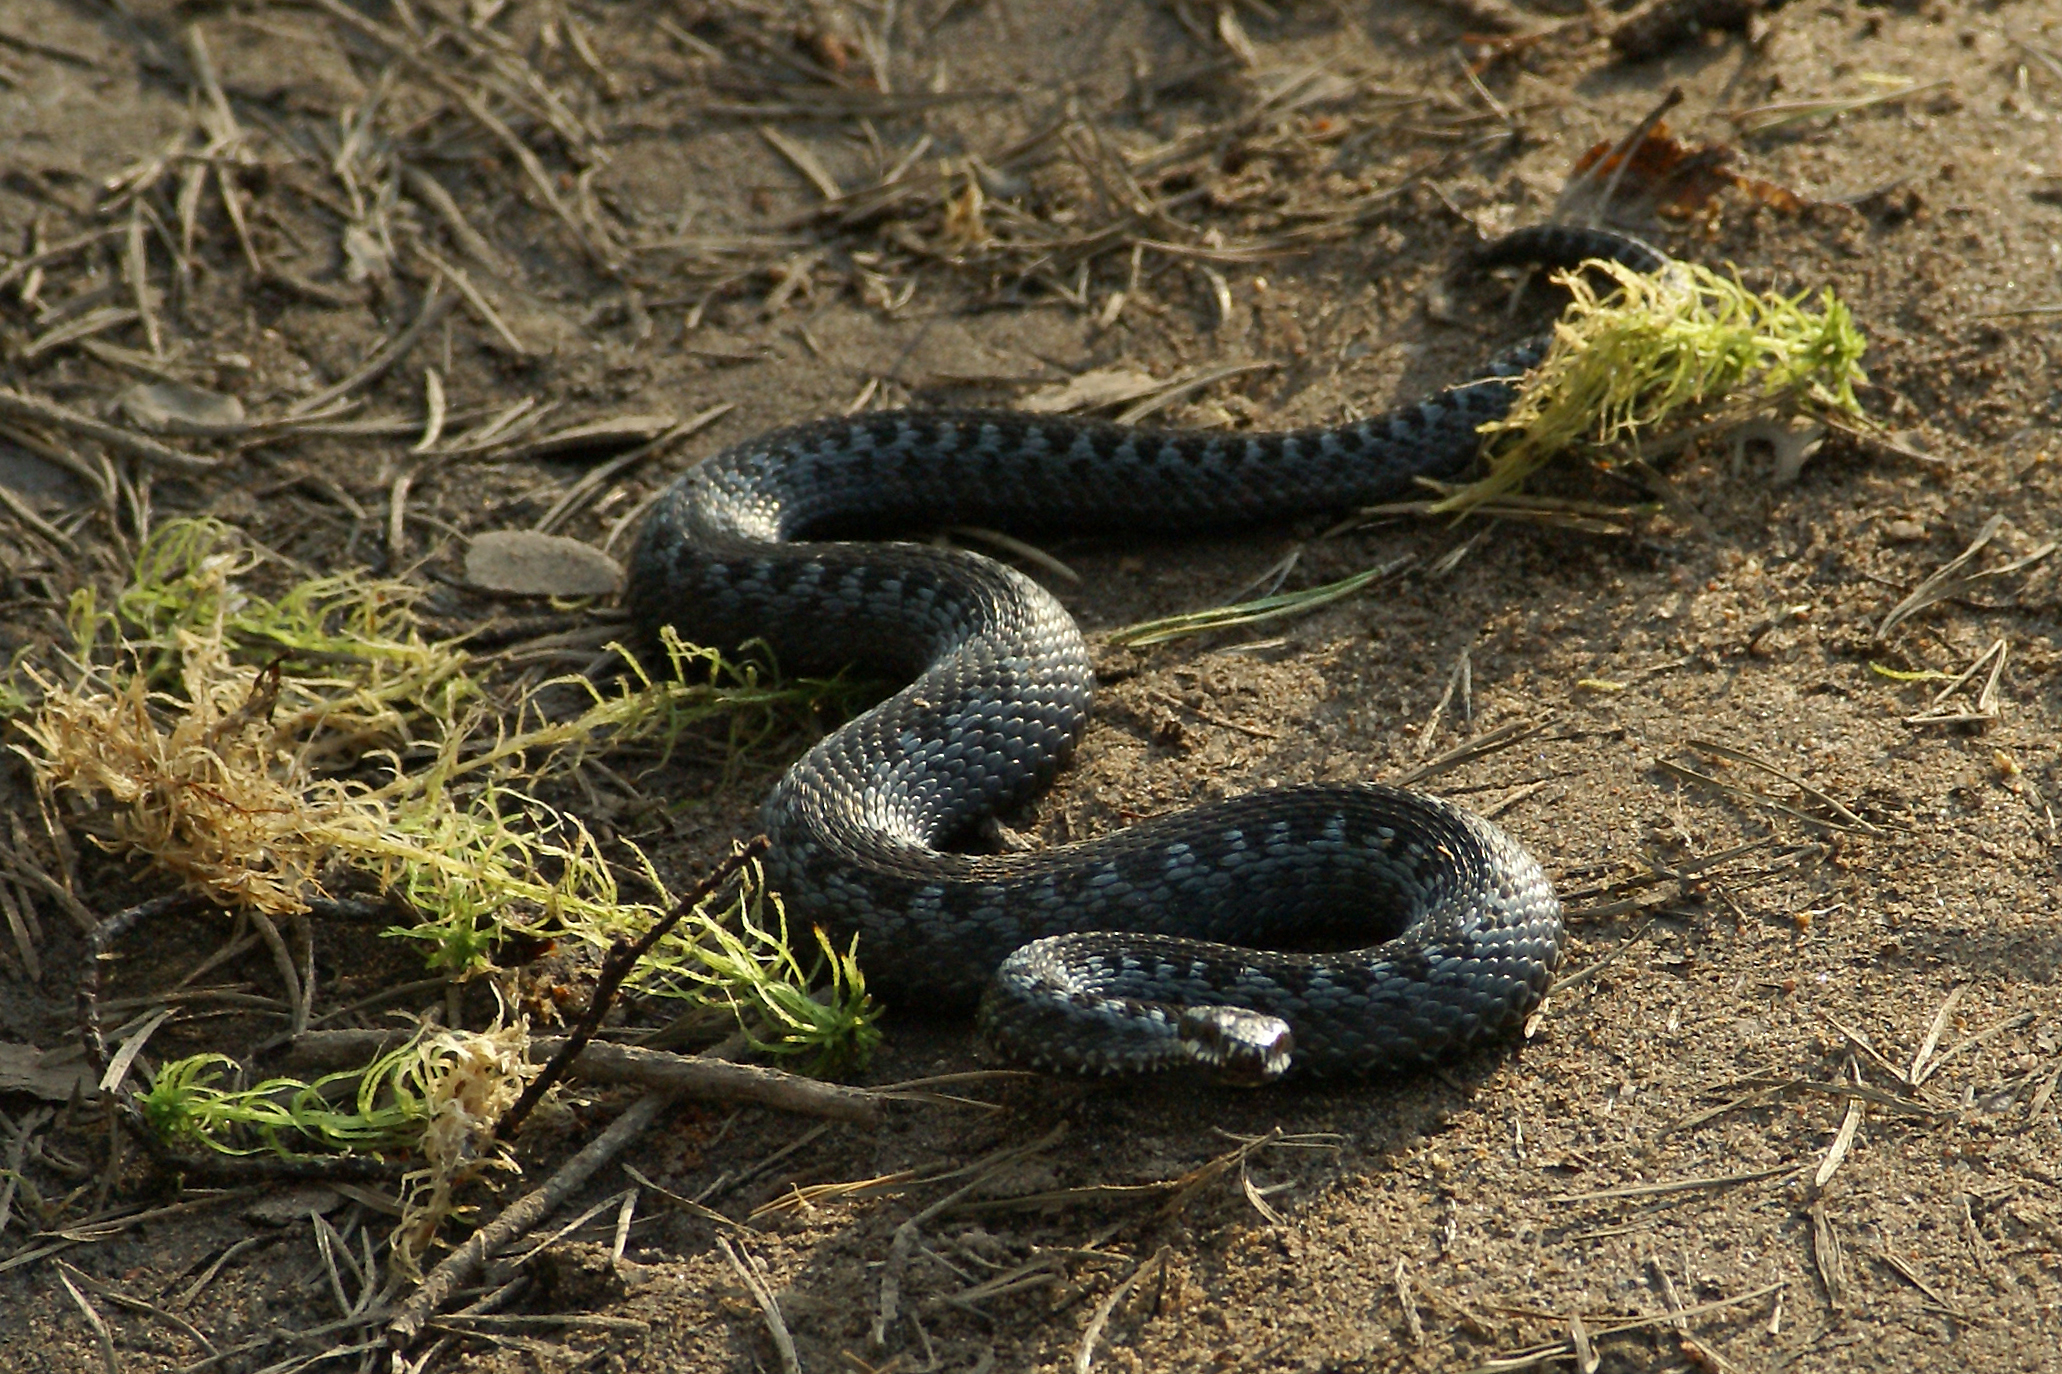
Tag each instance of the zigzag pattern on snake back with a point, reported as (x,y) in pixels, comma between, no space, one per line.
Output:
(1183,940)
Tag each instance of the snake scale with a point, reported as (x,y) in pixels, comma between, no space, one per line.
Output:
(1324,929)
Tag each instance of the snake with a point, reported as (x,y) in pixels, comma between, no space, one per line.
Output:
(1321,929)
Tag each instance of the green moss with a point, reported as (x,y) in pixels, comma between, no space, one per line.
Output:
(1683,346)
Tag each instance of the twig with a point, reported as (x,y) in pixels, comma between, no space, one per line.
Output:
(656,1070)
(621,959)
(465,1262)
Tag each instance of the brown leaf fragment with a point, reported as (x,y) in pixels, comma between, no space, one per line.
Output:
(1680,179)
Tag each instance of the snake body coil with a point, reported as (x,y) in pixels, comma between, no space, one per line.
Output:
(1173,942)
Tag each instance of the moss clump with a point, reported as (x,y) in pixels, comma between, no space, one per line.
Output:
(1654,354)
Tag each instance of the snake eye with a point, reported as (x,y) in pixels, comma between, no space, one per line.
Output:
(1240,1048)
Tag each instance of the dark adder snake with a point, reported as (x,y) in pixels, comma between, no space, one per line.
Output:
(1179,941)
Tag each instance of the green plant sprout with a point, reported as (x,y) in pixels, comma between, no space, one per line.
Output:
(741,958)
(385,1109)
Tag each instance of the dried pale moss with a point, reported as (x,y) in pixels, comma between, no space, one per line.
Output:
(201,724)
(200,779)
(1630,365)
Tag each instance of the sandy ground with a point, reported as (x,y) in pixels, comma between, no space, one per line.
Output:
(1795,1108)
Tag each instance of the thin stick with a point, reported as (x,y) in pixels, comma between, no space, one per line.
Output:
(655,1070)
(622,957)
(26,407)
(1503,737)
(465,1263)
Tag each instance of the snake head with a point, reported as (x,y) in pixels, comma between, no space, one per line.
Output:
(1240,1048)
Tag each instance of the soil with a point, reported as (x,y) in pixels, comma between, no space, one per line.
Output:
(1795,1107)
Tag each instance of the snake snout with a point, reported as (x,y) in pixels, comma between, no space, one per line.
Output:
(1241,1048)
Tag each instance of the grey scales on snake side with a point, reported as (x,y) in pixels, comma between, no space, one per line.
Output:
(1159,945)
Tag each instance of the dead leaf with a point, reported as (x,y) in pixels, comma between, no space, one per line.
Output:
(26,1069)
(175,408)
(1682,179)
(1105,386)
(526,563)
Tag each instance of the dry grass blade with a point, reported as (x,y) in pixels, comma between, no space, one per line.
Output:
(39,411)
(79,331)
(1761,119)
(804,161)
(1017,548)
(1937,711)
(1411,1320)
(1682,1185)
(1180,388)
(57,252)
(581,491)
(51,534)
(1535,1356)
(105,1337)
(1726,751)
(1910,1274)
(1919,1071)
(1254,612)
(1950,581)
(2010,1023)
(483,309)
(1827,1257)
(1084,1355)
(1553,512)
(753,1272)
(435,305)
(1591,972)
(1843,1139)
